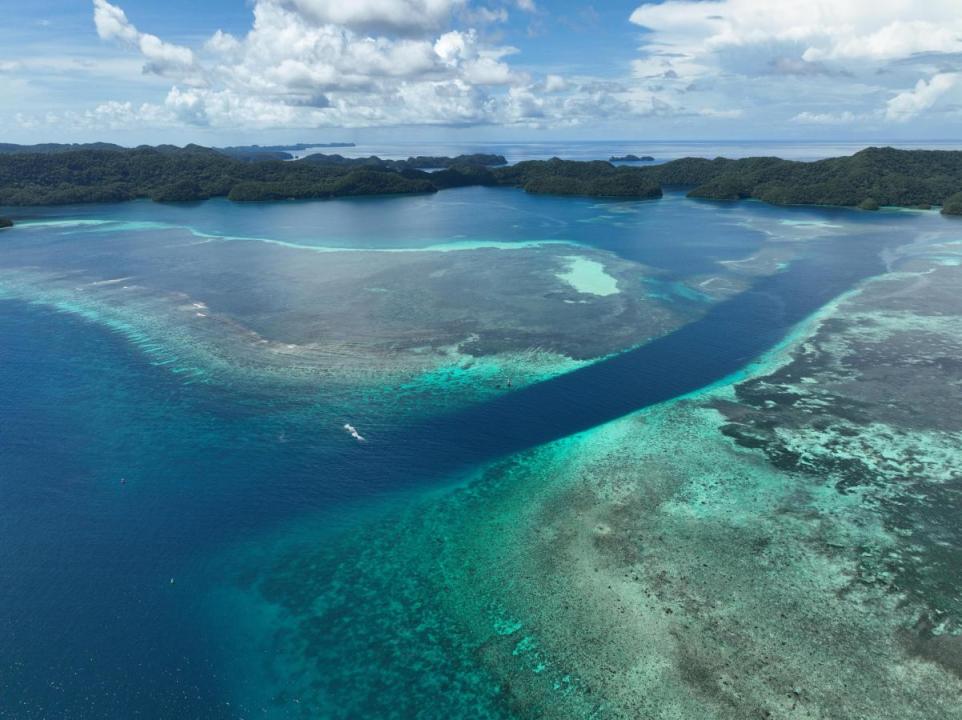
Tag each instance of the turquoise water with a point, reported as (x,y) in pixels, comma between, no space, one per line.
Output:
(155,468)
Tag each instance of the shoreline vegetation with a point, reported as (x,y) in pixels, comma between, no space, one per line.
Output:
(100,172)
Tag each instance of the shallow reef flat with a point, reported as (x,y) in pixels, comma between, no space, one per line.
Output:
(419,303)
(782,545)
(474,321)
(432,327)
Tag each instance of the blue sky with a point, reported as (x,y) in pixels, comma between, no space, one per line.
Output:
(230,71)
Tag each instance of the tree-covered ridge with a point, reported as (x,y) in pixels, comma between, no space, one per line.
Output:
(168,174)
(248,152)
(44,148)
(275,152)
(191,173)
(869,179)
(421,162)
(595,178)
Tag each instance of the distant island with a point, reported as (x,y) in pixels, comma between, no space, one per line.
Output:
(238,152)
(45,148)
(869,179)
(13,148)
(275,152)
(421,162)
(5,222)
(631,158)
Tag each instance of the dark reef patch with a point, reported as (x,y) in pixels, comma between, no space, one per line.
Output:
(863,404)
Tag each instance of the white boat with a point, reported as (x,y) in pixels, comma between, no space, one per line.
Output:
(352,431)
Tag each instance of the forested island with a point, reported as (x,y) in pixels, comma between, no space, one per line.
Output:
(198,173)
(244,150)
(275,152)
(420,162)
(5,222)
(593,178)
(631,158)
(869,179)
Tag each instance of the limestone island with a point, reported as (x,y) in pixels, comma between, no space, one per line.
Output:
(631,158)
(869,179)
(953,205)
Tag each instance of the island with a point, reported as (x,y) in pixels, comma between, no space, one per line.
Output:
(238,152)
(5,222)
(869,179)
(45,148)
(251,153)
(631,158)
(421,162)
(427,162)
(594,178)
(953,205)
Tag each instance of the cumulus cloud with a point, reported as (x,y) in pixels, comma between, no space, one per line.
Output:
(379,15)
(554,83)
(222,43)
(911,103)
(161,58)
(821,29)
(714,43)
(323,63)
(314,63)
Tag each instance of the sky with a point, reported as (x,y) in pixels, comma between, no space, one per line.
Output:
(275,71)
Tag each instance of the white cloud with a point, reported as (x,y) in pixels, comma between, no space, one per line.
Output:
(478,65)
(486,16)
(162,58)
(554,83)
(221,42)
(822,29)
(843,118)
(297,67)
(327,63)
(719,113)
(896,38)
(112,23)
(694,45)
(379,15)
(911,103)
(113,115)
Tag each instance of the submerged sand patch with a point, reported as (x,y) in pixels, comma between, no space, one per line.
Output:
(588,277)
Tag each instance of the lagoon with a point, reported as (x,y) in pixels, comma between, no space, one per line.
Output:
(190,531)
